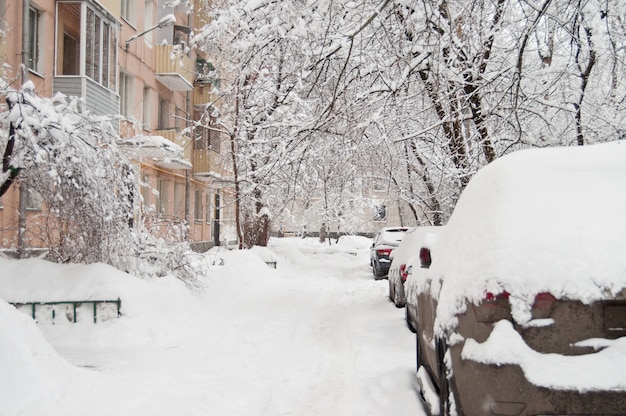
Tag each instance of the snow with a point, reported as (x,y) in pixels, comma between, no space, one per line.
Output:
(314,336)
(542,220)
(151,146)
(411,244)
(603,370)
(537,205)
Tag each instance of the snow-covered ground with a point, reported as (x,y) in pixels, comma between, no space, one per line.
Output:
(315,336)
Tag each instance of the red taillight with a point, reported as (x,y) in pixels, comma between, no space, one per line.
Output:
(543,305)
(425,259)
(383,251)
(489,296)
(493,308)
(404,273)
(544,300)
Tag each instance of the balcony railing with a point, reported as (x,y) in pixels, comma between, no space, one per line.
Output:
(174,69)
(180,139)
(101,101)
(203,93)
(206,163)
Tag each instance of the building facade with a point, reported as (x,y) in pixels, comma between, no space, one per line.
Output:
(130,60)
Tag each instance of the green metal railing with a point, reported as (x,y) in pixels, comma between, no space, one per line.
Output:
(75,305)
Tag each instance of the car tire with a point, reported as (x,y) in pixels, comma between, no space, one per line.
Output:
(444,383)
(397,294)
(378,275)
(418,351)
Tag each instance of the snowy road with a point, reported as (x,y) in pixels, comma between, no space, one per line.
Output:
(316,336)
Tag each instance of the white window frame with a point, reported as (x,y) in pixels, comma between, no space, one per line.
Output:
(162,205)
(198,211)
(34,46)
(147,107)
(98,59)
(148,22)
(179,199)
(127,101)
(129,11)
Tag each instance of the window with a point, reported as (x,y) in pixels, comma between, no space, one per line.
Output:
(126,95)
(200,133)
(379,184)
(100,51)
(146,189)
(179,199)
(181,35)
(208,210)
(214,136)
(162,199)
(148,21)
(129,11)
(34,200)
(34,41)
(197,212)
(206,137)
(71,55)
(181,119)
(164,114)
(147,108)
(380,212)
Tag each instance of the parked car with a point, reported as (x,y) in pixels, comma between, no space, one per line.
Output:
(416,269)
(400,256)
(522,310)
(386,240)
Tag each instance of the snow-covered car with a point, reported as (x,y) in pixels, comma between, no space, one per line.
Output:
(523,308)
(416,269)
(384,242)
(400,256)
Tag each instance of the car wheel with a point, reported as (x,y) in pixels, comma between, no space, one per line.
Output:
(408,320)
(378,275)
(418,351)
(444,382)
(391,291)
(398,293)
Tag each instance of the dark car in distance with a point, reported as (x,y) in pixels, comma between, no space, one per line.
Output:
(384,242)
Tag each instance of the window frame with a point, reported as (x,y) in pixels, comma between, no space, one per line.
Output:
(95,33)
(34,40)
(126,94)
(164,114)
(128,11)
(34,200)
(162,205)
(147,107)
(198,211)
(148,22)
(179,199)
(376,213)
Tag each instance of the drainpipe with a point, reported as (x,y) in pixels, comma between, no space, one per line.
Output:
(187,172)
(21,221)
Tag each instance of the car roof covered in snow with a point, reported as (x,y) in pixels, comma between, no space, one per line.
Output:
(411,244)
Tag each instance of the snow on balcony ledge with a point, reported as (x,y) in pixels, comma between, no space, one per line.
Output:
(166,153)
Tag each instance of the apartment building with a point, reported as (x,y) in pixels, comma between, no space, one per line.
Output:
(129,59)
